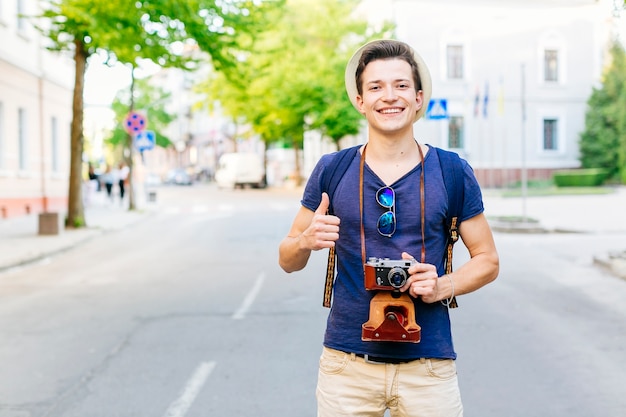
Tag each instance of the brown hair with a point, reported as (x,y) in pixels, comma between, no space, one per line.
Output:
(387,49)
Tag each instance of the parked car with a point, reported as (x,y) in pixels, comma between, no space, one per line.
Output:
(237,170)
(178,177)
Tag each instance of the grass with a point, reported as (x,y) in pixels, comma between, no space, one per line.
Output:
(534,192)
(547,188)
(513,219)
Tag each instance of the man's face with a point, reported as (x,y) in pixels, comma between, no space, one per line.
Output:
(389,101)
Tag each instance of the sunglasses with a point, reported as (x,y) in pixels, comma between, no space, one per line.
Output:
(386,224)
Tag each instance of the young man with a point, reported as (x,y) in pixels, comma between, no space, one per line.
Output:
(391,203)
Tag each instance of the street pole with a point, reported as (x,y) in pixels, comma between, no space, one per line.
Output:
(129,146)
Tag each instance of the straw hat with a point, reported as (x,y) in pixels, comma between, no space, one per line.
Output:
(350,77)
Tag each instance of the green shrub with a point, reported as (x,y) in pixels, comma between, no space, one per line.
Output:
(590,177)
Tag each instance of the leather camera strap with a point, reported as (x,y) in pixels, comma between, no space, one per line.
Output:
(422,204)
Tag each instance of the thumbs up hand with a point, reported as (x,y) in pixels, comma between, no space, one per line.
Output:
(324,228)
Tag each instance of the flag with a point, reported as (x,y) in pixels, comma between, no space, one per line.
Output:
(477,103)
(501,97)
(486,99)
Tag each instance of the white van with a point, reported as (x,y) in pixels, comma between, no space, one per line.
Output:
(239,170)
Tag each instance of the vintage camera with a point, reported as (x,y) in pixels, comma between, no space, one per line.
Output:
(386,274)
(392,313)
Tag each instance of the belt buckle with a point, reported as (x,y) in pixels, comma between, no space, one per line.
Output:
(367,359)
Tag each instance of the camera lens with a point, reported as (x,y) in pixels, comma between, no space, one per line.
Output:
(397,277)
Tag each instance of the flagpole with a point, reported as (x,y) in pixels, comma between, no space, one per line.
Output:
(524,174)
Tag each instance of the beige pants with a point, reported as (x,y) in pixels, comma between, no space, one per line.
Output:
(348,386)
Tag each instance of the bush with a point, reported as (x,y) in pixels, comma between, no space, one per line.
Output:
(591,177)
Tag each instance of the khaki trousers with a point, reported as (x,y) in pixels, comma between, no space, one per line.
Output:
(348,386)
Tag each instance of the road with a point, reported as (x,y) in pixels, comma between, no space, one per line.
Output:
(187,314)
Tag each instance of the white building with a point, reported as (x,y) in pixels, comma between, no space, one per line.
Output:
(35,117)
(516,76)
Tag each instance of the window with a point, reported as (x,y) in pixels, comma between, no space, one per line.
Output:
(454,62)
(550,135)
(54,128)
(455,132)
(22,139)
(552,52)
(551,65)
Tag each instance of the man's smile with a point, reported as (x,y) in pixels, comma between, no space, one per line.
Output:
(392,110)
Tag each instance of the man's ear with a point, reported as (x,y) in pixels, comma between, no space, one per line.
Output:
(419,98)
(359,103)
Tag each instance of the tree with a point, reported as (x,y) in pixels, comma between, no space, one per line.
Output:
(603,142)
(146,29)
(294,79)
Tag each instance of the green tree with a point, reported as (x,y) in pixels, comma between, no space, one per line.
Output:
(156,30)
(603,142)
(294,79)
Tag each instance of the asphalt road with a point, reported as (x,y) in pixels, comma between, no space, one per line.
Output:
(187,314)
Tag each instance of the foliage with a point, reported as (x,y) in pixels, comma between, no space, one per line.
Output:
(294,79)
(148,98)
(158,30)
(590,177)
(603,142)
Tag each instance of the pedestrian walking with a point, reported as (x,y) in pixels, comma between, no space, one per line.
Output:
(108,179)
(122,172)
(388,340)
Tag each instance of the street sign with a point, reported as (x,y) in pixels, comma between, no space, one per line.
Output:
(437,109)
(145,141)
(135,122)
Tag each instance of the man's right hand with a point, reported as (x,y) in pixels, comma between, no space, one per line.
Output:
(324,228)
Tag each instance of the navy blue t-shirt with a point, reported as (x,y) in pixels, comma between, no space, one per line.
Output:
(350,308)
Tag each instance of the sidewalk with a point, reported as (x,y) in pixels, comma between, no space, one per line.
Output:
(603,213)
(21,244)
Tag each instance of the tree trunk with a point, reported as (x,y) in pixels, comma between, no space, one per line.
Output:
(298,173)
(75,209)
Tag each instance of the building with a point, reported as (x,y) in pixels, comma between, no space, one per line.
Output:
(515,75)
(35,117)
(511,78)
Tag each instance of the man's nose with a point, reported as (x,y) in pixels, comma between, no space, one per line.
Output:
(390,93)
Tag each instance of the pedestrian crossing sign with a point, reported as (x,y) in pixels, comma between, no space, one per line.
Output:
(145,140)
(437,109)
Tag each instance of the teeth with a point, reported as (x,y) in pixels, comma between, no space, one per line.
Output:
(390,111)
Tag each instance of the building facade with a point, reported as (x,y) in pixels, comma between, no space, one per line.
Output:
(513,76)
(35,117)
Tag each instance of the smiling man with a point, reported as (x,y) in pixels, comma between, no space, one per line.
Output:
(389,214)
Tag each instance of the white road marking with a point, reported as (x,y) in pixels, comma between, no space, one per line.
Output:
(180,407)
(247,302)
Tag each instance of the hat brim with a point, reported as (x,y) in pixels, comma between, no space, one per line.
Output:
(350,79)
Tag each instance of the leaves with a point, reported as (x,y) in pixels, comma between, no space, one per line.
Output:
(603,142)
(293,80)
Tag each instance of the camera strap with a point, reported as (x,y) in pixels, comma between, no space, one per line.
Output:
(452,171)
